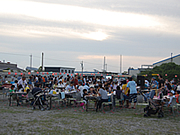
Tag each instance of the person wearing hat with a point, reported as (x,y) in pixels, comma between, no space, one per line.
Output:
(170,98)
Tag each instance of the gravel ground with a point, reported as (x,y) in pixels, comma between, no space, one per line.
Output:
(62,120)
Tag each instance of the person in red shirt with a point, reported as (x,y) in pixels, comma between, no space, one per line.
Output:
(177,97)
(75,80)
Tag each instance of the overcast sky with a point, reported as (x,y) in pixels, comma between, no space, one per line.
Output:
(69,31)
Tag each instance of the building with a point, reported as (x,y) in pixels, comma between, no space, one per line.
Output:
(9,66)
(175,59)
(133,72)
(31,69)
(63,70)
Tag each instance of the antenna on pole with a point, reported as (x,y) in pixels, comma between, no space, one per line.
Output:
(120,64)
(104,63)
(82,66)
(42,62)
(31,62)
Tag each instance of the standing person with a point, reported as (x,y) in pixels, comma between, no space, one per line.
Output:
(126,93)
(133,92)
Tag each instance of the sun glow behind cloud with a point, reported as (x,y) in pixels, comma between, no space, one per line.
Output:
(65,13)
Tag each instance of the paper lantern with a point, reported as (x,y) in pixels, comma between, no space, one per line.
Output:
(122,75)
(21,73)
(94,74)
(29,73)
(101,75)
(60,73)
(64,73)
(118,75)
(91,73)
(9,73)
(76,73)
(83,75)
(98,72)
(42,73)
(165,74)
(52,73)
(55,73)
(175,75)
(80,74)
(71,74)
(47,73)
(107,74)
(37,72)
(15,73)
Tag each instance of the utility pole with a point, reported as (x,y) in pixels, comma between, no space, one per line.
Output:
(31,61)
(82,66)
(120,64)
(42,62)
(171,57)
(104,64)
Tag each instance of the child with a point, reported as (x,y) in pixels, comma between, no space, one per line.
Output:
(120,96)
(177,97)
(12,88)
(84,99)
(14,96)
(171,96)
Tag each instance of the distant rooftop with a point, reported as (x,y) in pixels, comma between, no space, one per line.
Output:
(166,59)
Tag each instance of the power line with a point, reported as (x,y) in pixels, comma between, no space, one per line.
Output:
(61,60)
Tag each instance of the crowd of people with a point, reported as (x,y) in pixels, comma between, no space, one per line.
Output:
(125,88)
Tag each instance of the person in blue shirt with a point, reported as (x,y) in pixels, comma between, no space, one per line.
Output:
(133,92)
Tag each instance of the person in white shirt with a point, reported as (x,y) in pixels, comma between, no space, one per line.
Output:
(22,82)
(70,87)
(60,84)
(171,96)
(81,88)
(86,86)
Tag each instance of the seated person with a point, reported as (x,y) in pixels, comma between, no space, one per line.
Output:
(55,85)
(70,87)
(80,88)
(61,83)
(20,88)
(177,97)
(103,95)
(14,96)
(12,88)
(92,91)
(171,96)
(159,94)
(84,99)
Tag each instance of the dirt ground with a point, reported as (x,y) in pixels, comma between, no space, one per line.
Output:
(74,120)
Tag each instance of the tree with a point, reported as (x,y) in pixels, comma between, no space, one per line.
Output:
(40,69)
(167,70)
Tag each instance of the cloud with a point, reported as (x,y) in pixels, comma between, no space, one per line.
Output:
(142,31)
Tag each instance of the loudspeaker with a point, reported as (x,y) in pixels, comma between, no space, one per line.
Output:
(141,81)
